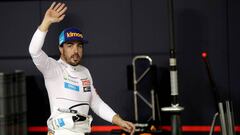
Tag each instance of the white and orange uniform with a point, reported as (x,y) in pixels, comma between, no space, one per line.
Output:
(68,87)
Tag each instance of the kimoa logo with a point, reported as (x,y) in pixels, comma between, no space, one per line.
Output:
(74,34)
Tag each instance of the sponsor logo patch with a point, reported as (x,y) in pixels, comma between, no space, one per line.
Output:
(61,122)
(74,34)
(86,85)
(87,89)
(69,78)
(71,86)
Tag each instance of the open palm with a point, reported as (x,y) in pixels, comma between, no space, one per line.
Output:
(55,13)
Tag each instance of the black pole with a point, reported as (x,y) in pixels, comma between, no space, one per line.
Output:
(210,77)
(175,108)
(172,59)
(171,24)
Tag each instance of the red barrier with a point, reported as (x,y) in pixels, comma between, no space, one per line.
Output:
(185,128)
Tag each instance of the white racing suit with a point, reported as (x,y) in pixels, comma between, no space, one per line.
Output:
(68,87)
(69,121)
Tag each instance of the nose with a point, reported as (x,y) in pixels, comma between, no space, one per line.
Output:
(75,49)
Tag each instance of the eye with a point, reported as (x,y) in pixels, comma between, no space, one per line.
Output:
(69,44)
(80,45)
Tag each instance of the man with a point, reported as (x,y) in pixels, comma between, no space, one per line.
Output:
(69,84)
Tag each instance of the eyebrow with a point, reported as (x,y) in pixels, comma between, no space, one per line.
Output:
(69,43)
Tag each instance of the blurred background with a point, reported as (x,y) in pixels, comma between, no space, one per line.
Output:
(119,30)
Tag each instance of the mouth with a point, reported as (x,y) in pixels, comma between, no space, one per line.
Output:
(75,57)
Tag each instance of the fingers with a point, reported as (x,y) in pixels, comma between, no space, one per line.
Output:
(63,10)
(132,127)
(132,133)
(51,7)
(60,7)
(57,6)
(61,18)
(130,124)
(129,127)
(127,130)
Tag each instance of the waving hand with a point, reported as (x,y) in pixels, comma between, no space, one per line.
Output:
(54,14)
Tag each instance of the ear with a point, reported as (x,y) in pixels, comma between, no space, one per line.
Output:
(60,49)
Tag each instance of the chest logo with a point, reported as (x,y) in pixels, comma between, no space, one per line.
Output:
(86,85)
(71,86)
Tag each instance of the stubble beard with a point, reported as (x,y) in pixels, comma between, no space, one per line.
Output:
(73,60)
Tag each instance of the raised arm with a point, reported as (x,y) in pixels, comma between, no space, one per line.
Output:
(55,13)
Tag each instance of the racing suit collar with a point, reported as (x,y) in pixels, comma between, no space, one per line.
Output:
(68,66)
